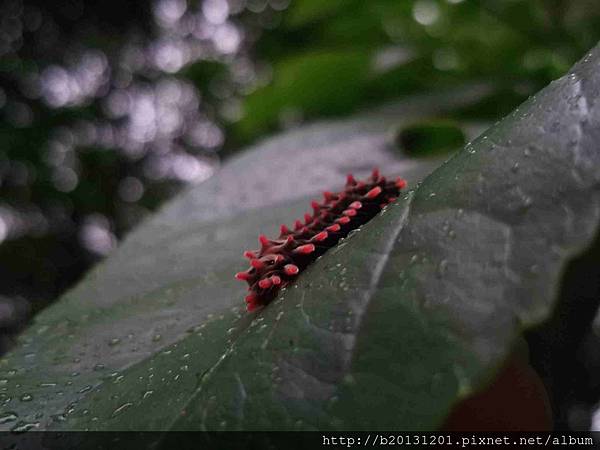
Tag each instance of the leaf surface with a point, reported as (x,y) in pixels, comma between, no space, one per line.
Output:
(151,319)
(388,330)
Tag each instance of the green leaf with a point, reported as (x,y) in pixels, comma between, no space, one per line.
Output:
(323,82)
(388,330)
(146,323)
(304,12)
(418,309)
(431,137)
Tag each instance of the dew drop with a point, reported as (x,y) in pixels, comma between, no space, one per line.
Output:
(527,202)
(534,269)
(194,329)
(114,341)
(22,427)
(349,379)
(59,417)
(8,416)
(26,397)
(147,394)
(442,268)
(121,408)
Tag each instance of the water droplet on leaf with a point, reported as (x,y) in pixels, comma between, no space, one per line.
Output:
(8,416)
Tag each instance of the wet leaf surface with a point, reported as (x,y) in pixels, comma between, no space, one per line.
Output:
(167,296)
(400,321)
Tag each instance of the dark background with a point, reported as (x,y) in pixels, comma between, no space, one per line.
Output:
(107,109)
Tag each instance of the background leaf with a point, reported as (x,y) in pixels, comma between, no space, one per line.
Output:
(329,82)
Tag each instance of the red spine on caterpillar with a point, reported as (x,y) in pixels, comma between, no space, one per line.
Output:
(284,230)
(400,183)
(291,270)
(250,255)
(279,261)
(373,193)
(265,283)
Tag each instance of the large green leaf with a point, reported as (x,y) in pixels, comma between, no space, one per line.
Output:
(412,313)
(388,330)
(165,300)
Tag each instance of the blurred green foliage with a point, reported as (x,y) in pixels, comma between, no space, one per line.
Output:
(334,57)
(430,138)
(296,61)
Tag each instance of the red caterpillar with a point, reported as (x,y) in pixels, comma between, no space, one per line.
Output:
(280,260)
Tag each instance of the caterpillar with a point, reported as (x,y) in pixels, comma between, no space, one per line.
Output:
(279,261)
